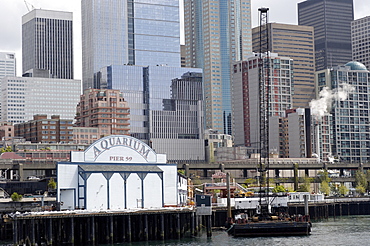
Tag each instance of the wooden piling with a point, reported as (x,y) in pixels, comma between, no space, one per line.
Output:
(178,225)
(15,231)
(33,242)
(49,229)
(129,228)
(111,228)
(209,225)
(146,229)
(162,227)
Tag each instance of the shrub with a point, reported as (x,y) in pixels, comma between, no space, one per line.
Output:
(16,197)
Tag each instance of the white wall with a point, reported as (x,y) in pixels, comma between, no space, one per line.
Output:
(96,192)
(67,180)
(152,191)
(117,193)
(170,184)
(133,191)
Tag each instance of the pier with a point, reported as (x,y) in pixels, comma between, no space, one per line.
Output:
(88,228)
(81,227)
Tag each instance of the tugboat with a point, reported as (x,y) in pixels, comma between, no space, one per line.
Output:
(264,222)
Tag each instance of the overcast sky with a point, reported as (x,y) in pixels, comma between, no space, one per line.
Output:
(11,11)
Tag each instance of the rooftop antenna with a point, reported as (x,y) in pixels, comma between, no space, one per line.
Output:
(28,8)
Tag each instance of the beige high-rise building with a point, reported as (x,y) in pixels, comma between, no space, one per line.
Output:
(217,34)
(296,42)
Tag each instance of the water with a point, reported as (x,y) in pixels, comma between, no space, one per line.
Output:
(351,230)
(348,230)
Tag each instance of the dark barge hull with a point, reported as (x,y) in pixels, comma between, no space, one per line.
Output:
(268,229)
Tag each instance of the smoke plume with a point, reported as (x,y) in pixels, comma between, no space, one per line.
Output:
(322,106)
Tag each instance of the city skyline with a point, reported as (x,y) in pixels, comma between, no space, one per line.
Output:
(12,11)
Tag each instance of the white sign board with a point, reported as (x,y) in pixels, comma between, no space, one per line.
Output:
(120,149)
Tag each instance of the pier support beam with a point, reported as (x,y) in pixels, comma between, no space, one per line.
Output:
(192,225)
(71,239)
(49,232)
(162,227)
(209,225)
(178,226)
(15,231)
(111,229)
(123,229)
(129,228)
(146,228)
(33,241)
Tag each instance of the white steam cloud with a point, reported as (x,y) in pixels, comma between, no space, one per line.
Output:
(322,106)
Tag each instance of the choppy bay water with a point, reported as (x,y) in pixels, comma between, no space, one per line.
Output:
(348,230)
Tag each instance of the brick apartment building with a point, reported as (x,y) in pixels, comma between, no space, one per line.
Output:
(105,109)
(6,130)
(44,130)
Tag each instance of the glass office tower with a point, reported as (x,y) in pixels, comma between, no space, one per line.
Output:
(217,33)
(166,107)
(140,32)
(331,20)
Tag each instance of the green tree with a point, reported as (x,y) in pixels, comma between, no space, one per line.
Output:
(250,181)
(324,176)
(52,184)
(368,179)
(16,197)
(360,179)
(7,149)
(181,171)
(325,188)
(306,186)
(279,188)
(196,180)
(343,190)
(360,189)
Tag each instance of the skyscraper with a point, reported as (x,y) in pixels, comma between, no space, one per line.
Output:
(350,113)
(246,100)
(217,33)
(7,64)
(331,20)
(145,32)
(360,41)
(296,42)
(47,42)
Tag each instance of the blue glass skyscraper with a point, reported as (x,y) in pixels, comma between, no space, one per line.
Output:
(118,32)
(217,34)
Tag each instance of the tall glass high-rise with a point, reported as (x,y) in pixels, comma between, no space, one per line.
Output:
(127,32)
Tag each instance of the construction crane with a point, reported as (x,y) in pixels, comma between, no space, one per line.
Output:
(28,8)
(264,94)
